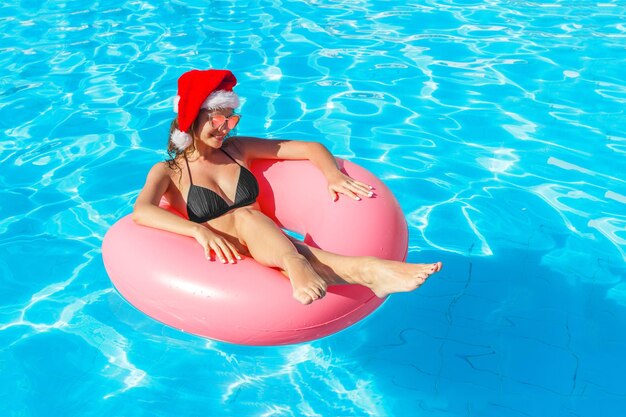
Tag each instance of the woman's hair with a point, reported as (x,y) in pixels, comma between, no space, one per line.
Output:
(172,151)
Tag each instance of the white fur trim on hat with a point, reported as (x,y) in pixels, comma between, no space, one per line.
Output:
(181,140)
(221,99)
(176,101)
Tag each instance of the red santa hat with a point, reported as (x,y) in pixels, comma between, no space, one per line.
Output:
(209,89)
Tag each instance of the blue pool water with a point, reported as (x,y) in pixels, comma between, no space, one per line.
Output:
(499,125)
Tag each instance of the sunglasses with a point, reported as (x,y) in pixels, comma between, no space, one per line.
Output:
(218,120)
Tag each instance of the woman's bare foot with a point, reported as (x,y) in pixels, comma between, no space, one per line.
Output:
(307,285)
(385,277)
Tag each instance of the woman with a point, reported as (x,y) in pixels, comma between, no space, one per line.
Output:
(207,178)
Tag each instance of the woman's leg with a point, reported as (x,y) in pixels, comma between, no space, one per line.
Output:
(311,269)
(382,276)
(269,246)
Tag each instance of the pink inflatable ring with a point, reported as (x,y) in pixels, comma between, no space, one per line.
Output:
(167,276)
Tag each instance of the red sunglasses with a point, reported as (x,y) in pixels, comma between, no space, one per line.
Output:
(218,120)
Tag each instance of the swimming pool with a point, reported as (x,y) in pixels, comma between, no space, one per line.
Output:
(499,125)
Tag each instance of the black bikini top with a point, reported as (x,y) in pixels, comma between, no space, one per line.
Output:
(204,204)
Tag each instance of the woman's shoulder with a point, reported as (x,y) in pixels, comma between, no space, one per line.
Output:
(233,143)
(235,147)
(242,141)
(245,147)
(163,169)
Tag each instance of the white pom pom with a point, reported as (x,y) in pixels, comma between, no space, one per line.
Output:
(221,99)
(181,140)
(176,100)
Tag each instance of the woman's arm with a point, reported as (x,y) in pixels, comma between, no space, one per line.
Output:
(257,148)
(338,182)
(148,213)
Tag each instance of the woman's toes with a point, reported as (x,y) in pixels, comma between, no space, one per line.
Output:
(316,293)
(312,294)
(302,297)
(321,292)
(436,267)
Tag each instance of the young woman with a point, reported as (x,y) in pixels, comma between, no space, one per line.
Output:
(207,178)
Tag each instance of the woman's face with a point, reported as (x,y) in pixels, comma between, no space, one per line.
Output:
(212,126)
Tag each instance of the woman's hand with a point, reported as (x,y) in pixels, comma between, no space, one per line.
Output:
(211,241)
(339,182)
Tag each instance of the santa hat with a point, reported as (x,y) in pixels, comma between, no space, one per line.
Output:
(210,89)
